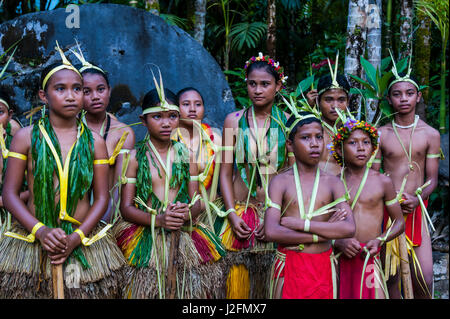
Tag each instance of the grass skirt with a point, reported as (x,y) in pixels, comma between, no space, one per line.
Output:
(199,264)
(25,270)
(255,255)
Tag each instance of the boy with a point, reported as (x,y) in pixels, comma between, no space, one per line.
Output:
(360,270)
(410,156)
(332,93)
(161,224)
(303,265)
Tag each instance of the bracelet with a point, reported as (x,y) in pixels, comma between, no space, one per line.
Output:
(80,232)
(30,238)
(306,226)
(36,228)
(315,238)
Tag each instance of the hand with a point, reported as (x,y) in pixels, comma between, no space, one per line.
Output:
(373,246)
(410,203)
(73,241)
(172,219)
(181,208)
(239,227)
(349,246)
(293,223)
(259,233)
(339,215)
(311,97)
(53,240)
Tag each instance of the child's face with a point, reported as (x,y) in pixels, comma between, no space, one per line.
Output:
(96,93)
(64,93)
(403,96)
(330,100)
(191,106)
(160,125)
(357,149)
(307,144)
(261,87)
(5,115)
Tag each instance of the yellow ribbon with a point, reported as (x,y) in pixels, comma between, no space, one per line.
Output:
(30,238)
(5,152)
(116,152)
(63,174)
(89,241)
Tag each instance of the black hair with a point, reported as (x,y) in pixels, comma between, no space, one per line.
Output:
(402,74)
(325,81)
(187,89)
(300,123)
(263,65)
(46,71)
(95,71)
(151,98)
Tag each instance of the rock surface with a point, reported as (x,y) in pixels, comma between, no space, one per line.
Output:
(124,41)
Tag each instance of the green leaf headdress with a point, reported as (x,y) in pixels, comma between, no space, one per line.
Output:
(292,106)
(399,78)
(164,105)
(84,64)
(333,73)
(65,65)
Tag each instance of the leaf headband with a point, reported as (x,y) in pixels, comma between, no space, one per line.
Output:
(164,105)
(333,73)
(405,78)
(292,105)
(269,61)
(85,64)
(65,65)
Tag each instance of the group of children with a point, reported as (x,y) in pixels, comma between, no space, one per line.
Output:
(285,203)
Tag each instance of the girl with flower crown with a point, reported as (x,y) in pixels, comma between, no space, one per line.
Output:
(59,154)
(259,153)
(361,276)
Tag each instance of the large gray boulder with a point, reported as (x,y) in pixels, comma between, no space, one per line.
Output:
(122,40)
(443,165)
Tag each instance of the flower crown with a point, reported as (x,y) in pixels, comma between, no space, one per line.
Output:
(268,60)
(344,132)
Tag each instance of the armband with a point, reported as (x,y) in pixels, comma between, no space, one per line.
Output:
(306,226)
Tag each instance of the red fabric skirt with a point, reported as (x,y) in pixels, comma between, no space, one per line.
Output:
(350,273)
(307,276)
(413,224)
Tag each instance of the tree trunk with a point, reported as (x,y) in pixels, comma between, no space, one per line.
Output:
(388,31)
(200,20)
(373,47)
(271,28)
(406,28)
(422,60)
(356,42)
(292,72)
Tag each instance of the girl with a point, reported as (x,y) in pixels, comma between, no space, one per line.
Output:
(6,134)
(156,236)
(58,212)
(118,136)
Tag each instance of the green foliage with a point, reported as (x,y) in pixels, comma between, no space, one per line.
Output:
(238,87)
(247,34)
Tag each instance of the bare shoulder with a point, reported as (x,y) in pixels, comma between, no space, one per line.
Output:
(232,119)
(430,131)
(280,179)
(22,140)
(376,175)
(15,126)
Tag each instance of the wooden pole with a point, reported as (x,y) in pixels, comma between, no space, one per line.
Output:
(58,281)
(172,267)
(405,269)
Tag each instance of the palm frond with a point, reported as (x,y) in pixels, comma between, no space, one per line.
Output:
(247,34)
